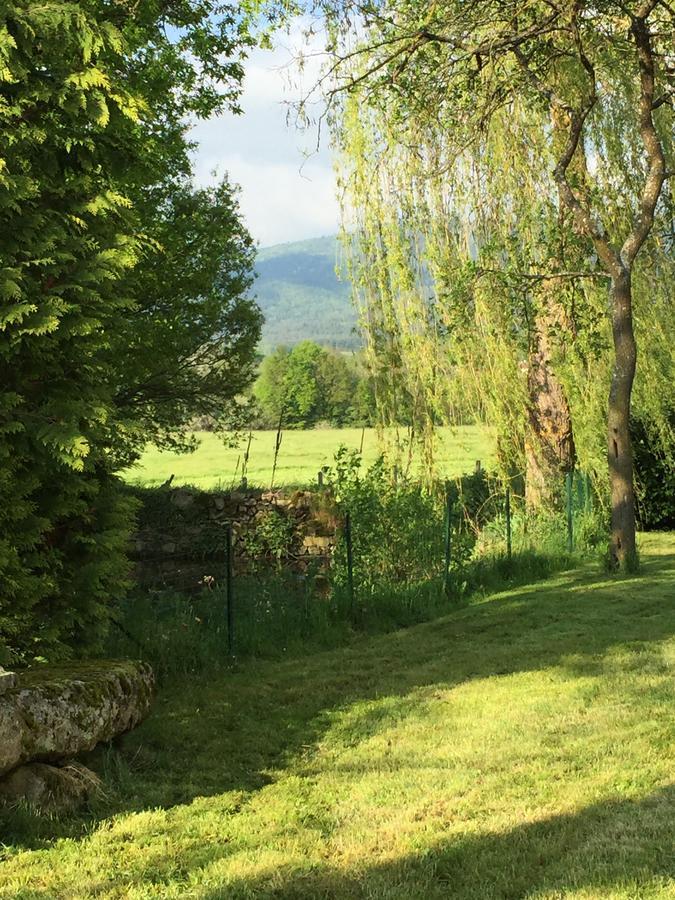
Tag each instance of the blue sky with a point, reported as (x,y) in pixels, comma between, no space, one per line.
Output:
(285,195)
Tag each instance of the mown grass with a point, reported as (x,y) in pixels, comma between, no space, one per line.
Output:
(519,747)
(301,455)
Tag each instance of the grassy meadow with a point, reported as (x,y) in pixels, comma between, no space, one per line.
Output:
(519,747)
(301,455)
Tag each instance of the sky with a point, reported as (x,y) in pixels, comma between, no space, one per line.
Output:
(285,194)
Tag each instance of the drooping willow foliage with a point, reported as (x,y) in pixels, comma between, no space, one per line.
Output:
(463,258)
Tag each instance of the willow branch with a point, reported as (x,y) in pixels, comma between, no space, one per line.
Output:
(541,276)
(656,164)
(581,211)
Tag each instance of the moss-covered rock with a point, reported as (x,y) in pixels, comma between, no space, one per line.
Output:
(55,713)
(49,788)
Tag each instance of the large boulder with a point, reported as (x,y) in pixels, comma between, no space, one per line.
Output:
(54,714)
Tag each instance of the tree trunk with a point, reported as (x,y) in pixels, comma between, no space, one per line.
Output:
(619,448)
(549,446)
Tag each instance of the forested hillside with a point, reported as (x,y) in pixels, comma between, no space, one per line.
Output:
(301,296)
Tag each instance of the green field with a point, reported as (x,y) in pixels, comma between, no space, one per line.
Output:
(301,456)
(521,747)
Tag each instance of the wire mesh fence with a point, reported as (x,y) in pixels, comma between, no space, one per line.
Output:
(391,565)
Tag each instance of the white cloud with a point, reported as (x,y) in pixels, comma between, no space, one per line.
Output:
(287,187)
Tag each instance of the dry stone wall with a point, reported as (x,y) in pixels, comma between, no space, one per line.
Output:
(188,525)
(54,713)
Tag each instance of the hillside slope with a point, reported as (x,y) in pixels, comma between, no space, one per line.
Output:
(521,747)
(301,296)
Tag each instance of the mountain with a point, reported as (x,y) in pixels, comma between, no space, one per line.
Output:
(301,296)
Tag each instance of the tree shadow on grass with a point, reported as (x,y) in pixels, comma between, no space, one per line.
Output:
(228,734)
(236,731)
(614,847)
(610,846)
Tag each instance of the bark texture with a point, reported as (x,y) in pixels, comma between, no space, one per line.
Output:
(549,447)
(619,449)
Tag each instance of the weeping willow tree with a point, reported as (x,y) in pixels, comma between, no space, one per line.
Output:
(445,261)
(503,166)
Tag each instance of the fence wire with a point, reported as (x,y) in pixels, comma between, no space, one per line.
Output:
(188,615)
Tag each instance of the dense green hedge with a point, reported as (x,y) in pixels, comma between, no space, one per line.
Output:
(655,478)
(93,100)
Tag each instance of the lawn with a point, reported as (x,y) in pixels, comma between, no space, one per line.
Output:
(523,746)
(301,455)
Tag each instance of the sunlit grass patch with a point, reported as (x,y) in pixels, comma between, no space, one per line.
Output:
(301,455)
(520,747)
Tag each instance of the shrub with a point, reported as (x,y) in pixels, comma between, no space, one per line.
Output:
(399,527)
(64,568)
(654,476)
(272,537)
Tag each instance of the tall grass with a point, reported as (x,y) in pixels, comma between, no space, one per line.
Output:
(274,613)
(277,614)
(400,574)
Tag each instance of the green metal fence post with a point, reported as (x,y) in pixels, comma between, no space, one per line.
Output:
(508,524)
(569,483)
(229,588)
(448,540)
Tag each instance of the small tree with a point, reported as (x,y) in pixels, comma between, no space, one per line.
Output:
(304,397)
(307,385)
(338,382)
(186,348)
(270,386)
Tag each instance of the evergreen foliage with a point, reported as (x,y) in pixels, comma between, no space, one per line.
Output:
(92,102)
(68,239)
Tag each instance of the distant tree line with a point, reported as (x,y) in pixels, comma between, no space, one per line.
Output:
(308,384)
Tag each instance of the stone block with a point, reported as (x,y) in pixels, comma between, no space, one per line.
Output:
(7,680)
(318,541)
(182,498)
(55,713)
(49,788)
